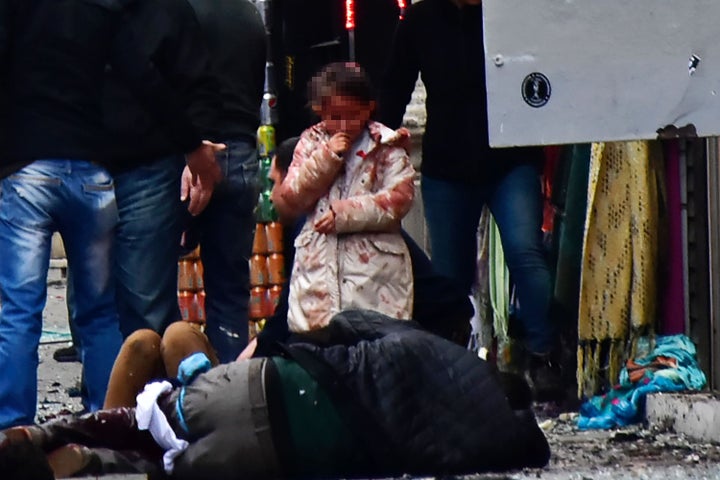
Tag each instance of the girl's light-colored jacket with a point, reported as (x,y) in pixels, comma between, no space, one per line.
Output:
(366,263)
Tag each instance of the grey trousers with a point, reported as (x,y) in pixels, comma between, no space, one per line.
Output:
(226,413)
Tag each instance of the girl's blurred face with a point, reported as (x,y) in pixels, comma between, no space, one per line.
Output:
(345,114)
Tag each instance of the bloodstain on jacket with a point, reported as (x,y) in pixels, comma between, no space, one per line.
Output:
(365,263)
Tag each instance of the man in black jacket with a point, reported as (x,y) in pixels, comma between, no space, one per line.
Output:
(442,40)
(366,395)
(214,53)
(52,165)
(148,161)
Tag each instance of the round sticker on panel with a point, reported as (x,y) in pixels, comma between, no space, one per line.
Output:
(536,90)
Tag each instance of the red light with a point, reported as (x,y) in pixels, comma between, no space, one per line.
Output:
(402,4)
(349,14)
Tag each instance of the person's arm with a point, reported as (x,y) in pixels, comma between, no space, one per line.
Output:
(156,79)
(384,209)
(4,30)
(313,170)
(166,80)
(400,75)
(187,62)
(146,82)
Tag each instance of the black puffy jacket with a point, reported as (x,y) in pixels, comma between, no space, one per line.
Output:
(421,404)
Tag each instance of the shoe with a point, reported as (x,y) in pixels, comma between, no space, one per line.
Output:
(66,354)
(544,376)
(20,458)
(18,435)
(14,436)
(70,460)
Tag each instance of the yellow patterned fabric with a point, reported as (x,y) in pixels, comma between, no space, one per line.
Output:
(619,279)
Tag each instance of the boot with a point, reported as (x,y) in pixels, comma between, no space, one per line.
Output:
(544,376)
(20,459)
(19,435)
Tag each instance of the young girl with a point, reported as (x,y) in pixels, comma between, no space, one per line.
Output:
(353,180)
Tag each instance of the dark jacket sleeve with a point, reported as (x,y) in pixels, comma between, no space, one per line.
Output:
(5,36)
(6,16)
(142,74)
(187,62)
(400,74)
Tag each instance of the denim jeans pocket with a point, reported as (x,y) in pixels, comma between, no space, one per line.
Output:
(30,188)
(98,188)
(36,179)
(24,198)
(250,172)
(241,174)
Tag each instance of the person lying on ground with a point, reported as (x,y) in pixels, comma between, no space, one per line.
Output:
(367,395)
(438,306)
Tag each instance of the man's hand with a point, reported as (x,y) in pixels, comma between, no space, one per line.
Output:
(339,143)
(198,192)
(203,165)
(200,176)
(326,223)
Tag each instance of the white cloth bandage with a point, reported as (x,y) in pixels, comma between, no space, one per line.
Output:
(150,417)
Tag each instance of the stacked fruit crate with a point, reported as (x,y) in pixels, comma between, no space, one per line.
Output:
(191,288)
(267,273)
(267,266)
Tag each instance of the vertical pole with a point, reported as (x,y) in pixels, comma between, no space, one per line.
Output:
(713,212)
(262,302)
(682,165)
(350,27)
(268,107)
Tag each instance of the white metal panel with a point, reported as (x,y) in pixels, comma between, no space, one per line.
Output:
(617,69)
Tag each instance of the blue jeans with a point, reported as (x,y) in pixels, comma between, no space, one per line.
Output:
(225,232)
(75,198)
(452,211)
(147,244)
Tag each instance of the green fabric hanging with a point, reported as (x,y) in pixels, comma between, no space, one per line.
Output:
(499,284)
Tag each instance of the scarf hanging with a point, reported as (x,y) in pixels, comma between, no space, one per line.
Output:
(618,285)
